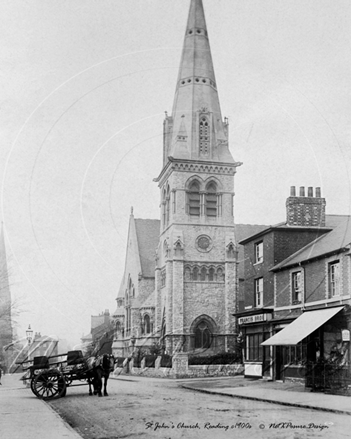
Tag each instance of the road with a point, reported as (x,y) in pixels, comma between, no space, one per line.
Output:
(160,408)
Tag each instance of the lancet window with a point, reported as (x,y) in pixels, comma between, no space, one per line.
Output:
(204,136)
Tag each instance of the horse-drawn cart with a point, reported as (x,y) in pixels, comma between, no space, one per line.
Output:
(50,378)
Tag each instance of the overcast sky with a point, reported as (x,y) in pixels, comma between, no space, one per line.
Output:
(84,87)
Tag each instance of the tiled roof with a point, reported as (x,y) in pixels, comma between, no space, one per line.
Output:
(148,232)
(242,232)
(337,239)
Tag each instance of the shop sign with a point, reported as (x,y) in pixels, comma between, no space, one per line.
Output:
(345,335)
(255,318)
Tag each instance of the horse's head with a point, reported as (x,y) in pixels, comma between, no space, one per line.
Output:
(108,362)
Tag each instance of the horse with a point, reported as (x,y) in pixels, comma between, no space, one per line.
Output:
(101,368)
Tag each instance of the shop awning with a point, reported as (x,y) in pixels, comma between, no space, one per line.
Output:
(303,326)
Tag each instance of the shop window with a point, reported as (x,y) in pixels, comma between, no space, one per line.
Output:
(254,349)
(296,281)
(259,252)
(334,279)
(259,292)
(294,354)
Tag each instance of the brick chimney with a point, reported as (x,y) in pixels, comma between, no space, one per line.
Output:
(305,210)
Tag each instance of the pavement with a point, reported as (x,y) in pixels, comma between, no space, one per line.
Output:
(22,415)
(282,393)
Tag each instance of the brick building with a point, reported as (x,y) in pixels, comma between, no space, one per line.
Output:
(180,283)
(312,299)
(273,297)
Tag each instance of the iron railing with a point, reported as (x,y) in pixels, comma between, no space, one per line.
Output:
(328,377)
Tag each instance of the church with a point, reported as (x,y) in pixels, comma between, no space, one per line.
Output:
(181,282)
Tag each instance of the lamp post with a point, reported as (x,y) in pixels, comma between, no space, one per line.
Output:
(29,335)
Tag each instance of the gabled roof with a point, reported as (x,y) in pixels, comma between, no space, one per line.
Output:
(148,232)
(336,240)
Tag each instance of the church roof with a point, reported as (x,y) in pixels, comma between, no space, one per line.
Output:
(148,232)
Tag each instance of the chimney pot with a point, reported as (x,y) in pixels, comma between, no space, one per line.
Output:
(292,191)
(318,192)
(302,191)
(310,191)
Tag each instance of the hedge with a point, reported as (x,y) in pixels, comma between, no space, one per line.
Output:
(166,361)
(119,361)
(216,359)
(150,361)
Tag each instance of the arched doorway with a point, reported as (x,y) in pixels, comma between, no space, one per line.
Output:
(203,333)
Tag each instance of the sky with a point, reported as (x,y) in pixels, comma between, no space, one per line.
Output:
(84,85)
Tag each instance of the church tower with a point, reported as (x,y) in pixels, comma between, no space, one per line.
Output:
(196,263)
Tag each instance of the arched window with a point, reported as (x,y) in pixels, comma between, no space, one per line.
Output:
(118,327)
(211,200)
(187,274)
(220,274)
(203,274)
(195,273)
(147,324)
(204,136)
(211,274)
(194,199)
(203,335)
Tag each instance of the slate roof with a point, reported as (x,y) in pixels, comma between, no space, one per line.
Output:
(148,232)
(333,241)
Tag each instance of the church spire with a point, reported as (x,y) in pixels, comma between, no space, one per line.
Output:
(196,108)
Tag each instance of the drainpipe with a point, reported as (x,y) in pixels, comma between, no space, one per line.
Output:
(303,293)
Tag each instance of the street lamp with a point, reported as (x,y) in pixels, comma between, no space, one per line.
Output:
(29,334)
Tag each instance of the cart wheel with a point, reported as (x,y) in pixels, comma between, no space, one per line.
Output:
(49,384)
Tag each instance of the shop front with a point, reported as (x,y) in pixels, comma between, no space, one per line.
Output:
(313,346)
(255,328)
